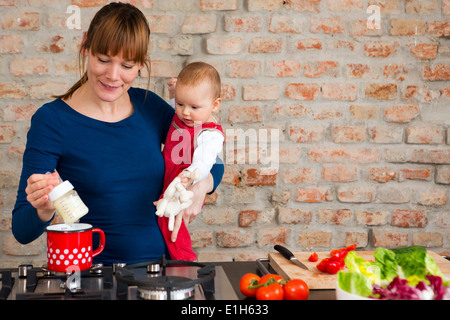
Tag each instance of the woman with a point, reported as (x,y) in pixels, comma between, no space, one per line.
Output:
(105,136)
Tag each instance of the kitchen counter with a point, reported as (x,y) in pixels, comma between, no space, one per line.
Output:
(235,270)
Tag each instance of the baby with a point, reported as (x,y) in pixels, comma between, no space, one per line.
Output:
(192,145)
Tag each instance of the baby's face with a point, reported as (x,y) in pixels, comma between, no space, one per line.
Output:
(194,105)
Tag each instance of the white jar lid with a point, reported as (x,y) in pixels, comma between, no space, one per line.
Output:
(60,190)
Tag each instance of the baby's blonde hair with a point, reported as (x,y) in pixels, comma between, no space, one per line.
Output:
(197,72)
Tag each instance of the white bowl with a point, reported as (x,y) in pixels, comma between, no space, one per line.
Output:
(344,295)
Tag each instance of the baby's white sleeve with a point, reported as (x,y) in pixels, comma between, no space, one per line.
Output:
(209,146)
(172,102)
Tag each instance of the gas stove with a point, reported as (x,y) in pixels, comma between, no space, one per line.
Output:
(151,280)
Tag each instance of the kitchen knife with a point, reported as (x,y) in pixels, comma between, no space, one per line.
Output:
(289,255)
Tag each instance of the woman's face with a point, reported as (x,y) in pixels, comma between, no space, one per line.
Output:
(111,76)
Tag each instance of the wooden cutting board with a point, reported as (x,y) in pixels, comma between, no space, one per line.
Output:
(319,280)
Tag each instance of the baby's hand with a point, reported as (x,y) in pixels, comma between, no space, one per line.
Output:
(187,177)
(171,84)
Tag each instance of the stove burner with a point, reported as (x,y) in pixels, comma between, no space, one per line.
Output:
(153,286)
(157,292)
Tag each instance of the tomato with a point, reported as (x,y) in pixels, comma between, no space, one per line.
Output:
(333,266)
(267,278)
(296,289)
(322,265)
(350,248)
(247,281)
(338,255)
(313,257)
(273,291)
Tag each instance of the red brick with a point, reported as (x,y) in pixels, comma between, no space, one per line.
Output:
(436,72)
(386,91)
(348,134)
(409,218)
(303,5)
(402,27)
(163,68)
(306,134)
(19,112)
(415,174)
(258,177)
(25,21)
(446,6)
(340,173)
(243,68)
(247,217)
(311,238)
(345,5)
(361,112)
(260,92)
(308,44)
(218,5)
(427,239)
(265,45)
(438,28)
(425,134)
(421,93)
(322,68)
(7,133)
(234,238)
(201,238)
(430,156)
(245,114)
(327,25)
(290,111)
(271,236)
(362,71)
(199,24)
(389,239)
(431,196)
(161,24)
(294,216)
(395,72)
(255,5)
(228,91)
(443,174)
(381,49)
(314,194)
(339,154)
(356,194)
(327,113)
(285,24)
(11,43)
(284,68)
(372,218)
(382,174)
(224,45)
(386,134)
(22,67)
(401,113)
(340,91)
(298,175)
(424,50)
(89,3)
(239,23)
(422,6)
(386,6)
(303,91)
(359,28)
(12,91)
(334,217)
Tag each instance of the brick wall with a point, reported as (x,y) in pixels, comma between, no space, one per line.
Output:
(337,115)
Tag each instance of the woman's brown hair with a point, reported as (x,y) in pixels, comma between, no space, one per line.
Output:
(117,28)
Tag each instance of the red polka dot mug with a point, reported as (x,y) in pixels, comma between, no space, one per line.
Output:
(70,247)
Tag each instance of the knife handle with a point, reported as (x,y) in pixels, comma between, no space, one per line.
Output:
(284,251)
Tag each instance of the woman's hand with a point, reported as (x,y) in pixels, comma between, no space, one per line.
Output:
(188,215)
(37,190)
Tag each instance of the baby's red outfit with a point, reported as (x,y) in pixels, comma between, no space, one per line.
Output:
(178,152)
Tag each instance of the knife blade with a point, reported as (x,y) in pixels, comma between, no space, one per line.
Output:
(285,252)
